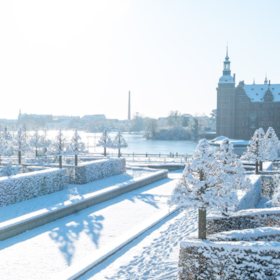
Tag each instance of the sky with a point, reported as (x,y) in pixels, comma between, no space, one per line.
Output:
(66,57)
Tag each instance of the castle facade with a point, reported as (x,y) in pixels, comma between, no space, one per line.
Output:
(244,108)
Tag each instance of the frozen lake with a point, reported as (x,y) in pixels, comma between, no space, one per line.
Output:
(138,145)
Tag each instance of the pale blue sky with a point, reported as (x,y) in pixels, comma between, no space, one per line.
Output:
(82,57)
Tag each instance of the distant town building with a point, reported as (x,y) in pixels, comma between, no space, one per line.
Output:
(87,118)
(243,109)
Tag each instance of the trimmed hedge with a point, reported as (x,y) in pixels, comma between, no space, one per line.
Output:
(29,185)
(96,170)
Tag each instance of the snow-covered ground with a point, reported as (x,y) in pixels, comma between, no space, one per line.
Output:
(154,255)
(42,252)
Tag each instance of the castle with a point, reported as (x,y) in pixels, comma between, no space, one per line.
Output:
(244,108)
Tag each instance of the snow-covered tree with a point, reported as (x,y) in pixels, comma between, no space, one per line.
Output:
(255,150)
(231,172)
(271,145)
(77,146)
(45,143)
(7,147)
(58,147)
(3,146)
(200,186)
(36,142)
(20,144)
(119,142)
(6,134)
(105,141)
(9,170)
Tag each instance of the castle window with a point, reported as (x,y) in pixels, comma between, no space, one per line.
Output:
(261,88)
(279,93)
(272,88)
(257,94)
(252,89)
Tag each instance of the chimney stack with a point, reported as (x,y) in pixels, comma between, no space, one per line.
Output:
(269,83)
(129,118)
(234,77)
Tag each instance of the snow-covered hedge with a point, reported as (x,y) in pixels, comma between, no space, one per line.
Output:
(244,219)
(256,234)
(276,165)
(268,185)
(28,185)
(250,198)
(229,260)
(91,171)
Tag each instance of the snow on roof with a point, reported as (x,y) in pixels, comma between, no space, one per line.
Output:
(226,79)
(256,92)
(234,142)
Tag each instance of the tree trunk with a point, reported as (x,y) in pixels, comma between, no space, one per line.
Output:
(19,157)
(257,167)
(60,161)
(36,153)
(104,152)
(76,160)
(261,166)
(119,153)
(202,223)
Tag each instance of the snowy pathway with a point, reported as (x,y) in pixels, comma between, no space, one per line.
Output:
(154,255)
(49,249)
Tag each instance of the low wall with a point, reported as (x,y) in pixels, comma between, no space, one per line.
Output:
(200,259)
(245,219)
(95,170)
(250,199)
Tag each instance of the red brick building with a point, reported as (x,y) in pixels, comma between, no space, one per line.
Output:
(244,108)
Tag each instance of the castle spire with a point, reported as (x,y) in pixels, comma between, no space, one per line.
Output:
(227,58)
(254,81)
(265,81)
(226,71)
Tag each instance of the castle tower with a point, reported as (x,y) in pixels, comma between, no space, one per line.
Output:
(129,117)
(226,102)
